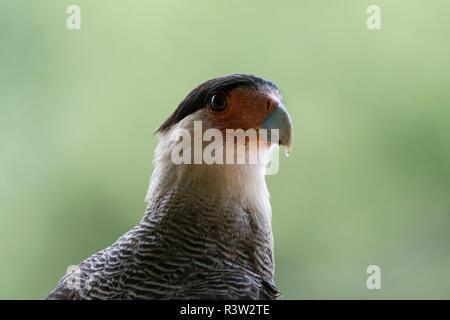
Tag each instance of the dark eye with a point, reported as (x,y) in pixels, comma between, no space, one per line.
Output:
(218,102)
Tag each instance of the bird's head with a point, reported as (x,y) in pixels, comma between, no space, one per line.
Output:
(238,101)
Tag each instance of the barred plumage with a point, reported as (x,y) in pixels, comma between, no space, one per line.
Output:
(199,252)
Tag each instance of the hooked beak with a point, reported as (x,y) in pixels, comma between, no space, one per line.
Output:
(280,119)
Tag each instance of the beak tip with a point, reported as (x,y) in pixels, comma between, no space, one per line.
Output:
(288,151)
(279,119)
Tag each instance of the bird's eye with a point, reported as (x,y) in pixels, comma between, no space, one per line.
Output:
(218,102)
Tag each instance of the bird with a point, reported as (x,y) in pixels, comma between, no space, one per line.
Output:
(206,232)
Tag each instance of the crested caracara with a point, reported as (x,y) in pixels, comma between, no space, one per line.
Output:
(206,233)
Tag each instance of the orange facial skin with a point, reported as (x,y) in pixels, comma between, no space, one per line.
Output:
(246,109)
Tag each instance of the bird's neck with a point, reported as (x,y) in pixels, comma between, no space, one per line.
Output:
(217,226)
(245,183)
(226,203)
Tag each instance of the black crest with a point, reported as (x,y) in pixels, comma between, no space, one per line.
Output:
(200,96)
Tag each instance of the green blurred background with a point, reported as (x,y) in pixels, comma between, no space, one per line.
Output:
(368,181)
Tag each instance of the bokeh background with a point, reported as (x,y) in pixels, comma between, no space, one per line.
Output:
(368,181)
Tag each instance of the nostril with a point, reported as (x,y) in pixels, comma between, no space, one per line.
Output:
(269,103)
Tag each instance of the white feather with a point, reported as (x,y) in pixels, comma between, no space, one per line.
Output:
(245,182)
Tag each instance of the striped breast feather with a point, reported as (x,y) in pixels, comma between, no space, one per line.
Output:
(178,251)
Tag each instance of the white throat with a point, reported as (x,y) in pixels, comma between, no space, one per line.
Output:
(244,183)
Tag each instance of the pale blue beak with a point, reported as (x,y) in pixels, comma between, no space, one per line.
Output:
(280,119)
